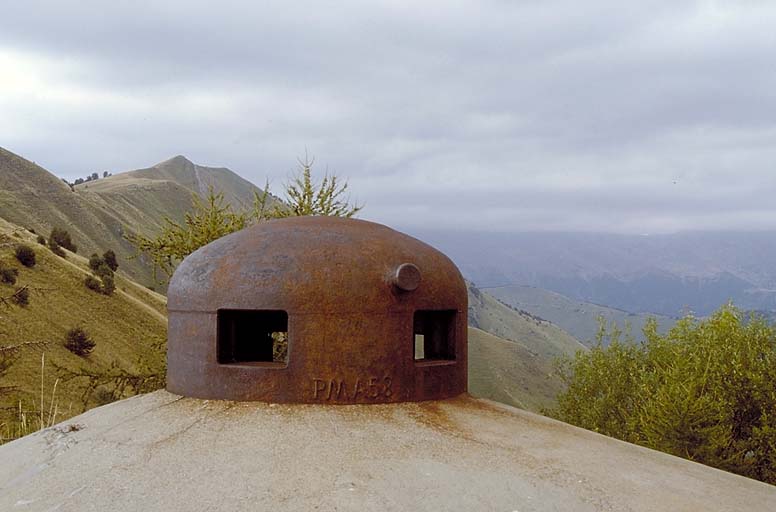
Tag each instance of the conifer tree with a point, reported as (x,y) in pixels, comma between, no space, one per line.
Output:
(211,218)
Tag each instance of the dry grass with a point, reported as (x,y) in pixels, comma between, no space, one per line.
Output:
(28,418)
(127,325)
(509,373)
(511,355)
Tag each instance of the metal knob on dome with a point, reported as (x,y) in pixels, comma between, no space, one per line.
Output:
(407,277)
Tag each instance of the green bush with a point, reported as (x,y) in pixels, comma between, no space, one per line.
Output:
(55,248)
(103,270)
(95,261)
(93,283)
(41,240)
(109,257)
(62,238)
(108,285)
(706,391)
(78,342)
(25,254)
(105,285)
(8,275)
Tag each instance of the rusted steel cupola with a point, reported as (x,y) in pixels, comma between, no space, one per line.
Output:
(317,310)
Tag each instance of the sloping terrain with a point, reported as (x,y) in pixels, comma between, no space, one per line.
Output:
(141,199)
(511,354)
(129,328)
(537,335)
(32,197)
(99,213)
(180,172)
(577,317)
(509,373)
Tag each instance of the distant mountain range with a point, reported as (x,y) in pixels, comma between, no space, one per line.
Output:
(666,274)
(578,318)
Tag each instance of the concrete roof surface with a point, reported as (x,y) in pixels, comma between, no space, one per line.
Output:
(163,452)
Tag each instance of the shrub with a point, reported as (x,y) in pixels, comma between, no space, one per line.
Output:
(62,238)
(26,255)
(109,257)
(103,270)
(706,390)
(93,283)
(212,217)
(41,240)
(21,297)
(55,248)
(78,342)
(95,261)
(8,275)
(108,285)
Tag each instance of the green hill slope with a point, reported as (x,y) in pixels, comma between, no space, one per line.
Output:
(99,213)
(577,317)
(511,354)
(539,336)
(507,372)
(32,197)
(127,326)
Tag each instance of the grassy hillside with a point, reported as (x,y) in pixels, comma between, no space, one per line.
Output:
(141,199)
(32,197)
(511,354)
(579,318)
(99,213)
(127,326)
(539,336)
(507,372)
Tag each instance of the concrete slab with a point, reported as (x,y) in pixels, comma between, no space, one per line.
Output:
(162,452)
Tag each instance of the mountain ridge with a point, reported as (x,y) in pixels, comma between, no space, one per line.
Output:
(183,172)
(99,213)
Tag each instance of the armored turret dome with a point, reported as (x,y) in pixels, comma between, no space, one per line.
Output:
(317,309)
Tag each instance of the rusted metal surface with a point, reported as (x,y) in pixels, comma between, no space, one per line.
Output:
(355,294)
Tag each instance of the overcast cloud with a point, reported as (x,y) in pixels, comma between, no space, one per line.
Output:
(506,116)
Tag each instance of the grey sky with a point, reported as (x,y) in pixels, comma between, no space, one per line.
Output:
(507,116)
